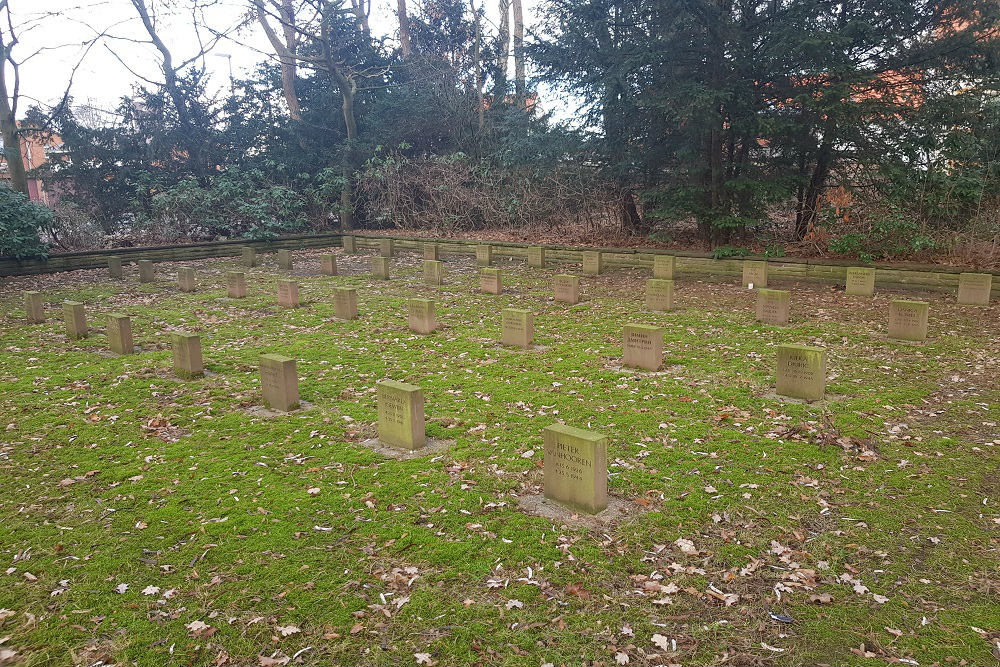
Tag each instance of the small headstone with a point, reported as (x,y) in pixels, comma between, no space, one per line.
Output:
(643,346)
(115,267)
(908,319)
(76,319)
(421,316)
(288,294)
(484,255)
(860,281)
(754,273)
(431,251)
(147,273)
(187,355)
(974,288)
(328,265)
(593,263)
(401,415)
(801,372)
(285,260)
(433,272)
(248,256)
(236,283)
(659,294)
(350,244)
(386,248)
(575,471)
(345,303)
(33,310)
(517,327)
(380,267)
(279,382)
(120,334)
(185,279)
(536,257)
(490,281)
(664,266)
(773,306)
(566,288)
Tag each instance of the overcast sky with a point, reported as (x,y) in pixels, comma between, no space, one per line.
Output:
(55,29)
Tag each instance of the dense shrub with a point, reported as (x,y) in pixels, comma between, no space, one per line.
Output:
(21,222)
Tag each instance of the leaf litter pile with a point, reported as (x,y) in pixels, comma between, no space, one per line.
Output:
(154,521)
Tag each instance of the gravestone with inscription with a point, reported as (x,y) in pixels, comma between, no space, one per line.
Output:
(248,256)
(659,294)
(431,251)
(386,247)
(801,372)
(908,319)
(421,316)
(380,268)
(860,281)
(187,355)
(536,257)
(115,267)
(236,284)
(566,288)
(75,316)
(517,327)
(401,415)
(120,334)
(575,469)
(285,260)
(593,263)
(147,273)
(185,279)
(490,281)
(642,346)
(433,272)
(349,244)
(974,288)
(773,306)
(279,382)
(33,310)
(484,255)
(288,294)
(754,273)
(664,266)
(345,303)
(328,264)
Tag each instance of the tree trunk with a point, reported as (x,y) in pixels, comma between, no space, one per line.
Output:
(286,52)
(478,56)
(11,139)
(404,29)
(503,51)
(520,98)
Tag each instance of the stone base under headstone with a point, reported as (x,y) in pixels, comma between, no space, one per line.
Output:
(618,510)
(432,446)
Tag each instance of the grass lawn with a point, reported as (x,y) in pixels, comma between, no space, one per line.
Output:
(150,520)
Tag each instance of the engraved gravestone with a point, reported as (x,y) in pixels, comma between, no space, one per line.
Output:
(421,316)
(484,255)
(386,247)
(187,355)
(536,257)
(773,306)
(285,260)
(974,288)
(120,334)
(908,319)
(754,273)
(566,288)
(380,268)
(279,382)
(186,280)
(801,372)
(147,273)
(115,267)
(33,310)
(288,294)
(400,415)
(431,251)
(490,281)
(860,281)
(349,244)
(433,272)
(345,303)
(642,346)
(575,469)
(663,266)
(659,294)
(248,256)
(75,316)
(236,284)
(328,264)
(517,327)
(593,263)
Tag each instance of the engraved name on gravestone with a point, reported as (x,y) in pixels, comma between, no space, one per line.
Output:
(345,303)
(801,372)
(431,251)
(33,310)
(288,294)
(285,260)
(187,355)
(536,257)
(75,316)
(236,284)
(186,279)
(659,294)
(566,288)
(400,415)
(248,256)
(433,272)
(908,319)
(147,273)
(421,316)
(380,268)
(974,288)
(642,346)
(120,334)
(490,281)
(115,267)
(279,382)
(386,247)
(517,327)
(349,244)
(593,263)
(664,266)
(575,469)
(328,264)
(773,306)
(754,273)
(860,281)
(484,255)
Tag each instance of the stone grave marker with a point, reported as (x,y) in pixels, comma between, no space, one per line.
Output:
(236,284)
(536,257)
(33,310)
(380,268)
(328,264)
(433,272)
(517,327)
(421,317)
(593,263)
(575,469)
(115,267)
(643,346)
(345,303)
(285,260)
(773,306)
(75,316)
(350,244)
(386,248)
(187,355)
(801,372)
(484,255)
(401,415)
(120,334)
(186,280)
(664,266)
(908,319)
(754,273)
(860,281)
(288,294)
(490,281)
(147,273)
(659,294)
(248,256)
(566,288)
(279,382)
(431,251)
(974,288)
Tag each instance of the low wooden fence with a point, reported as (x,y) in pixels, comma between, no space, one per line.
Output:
(912,276)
